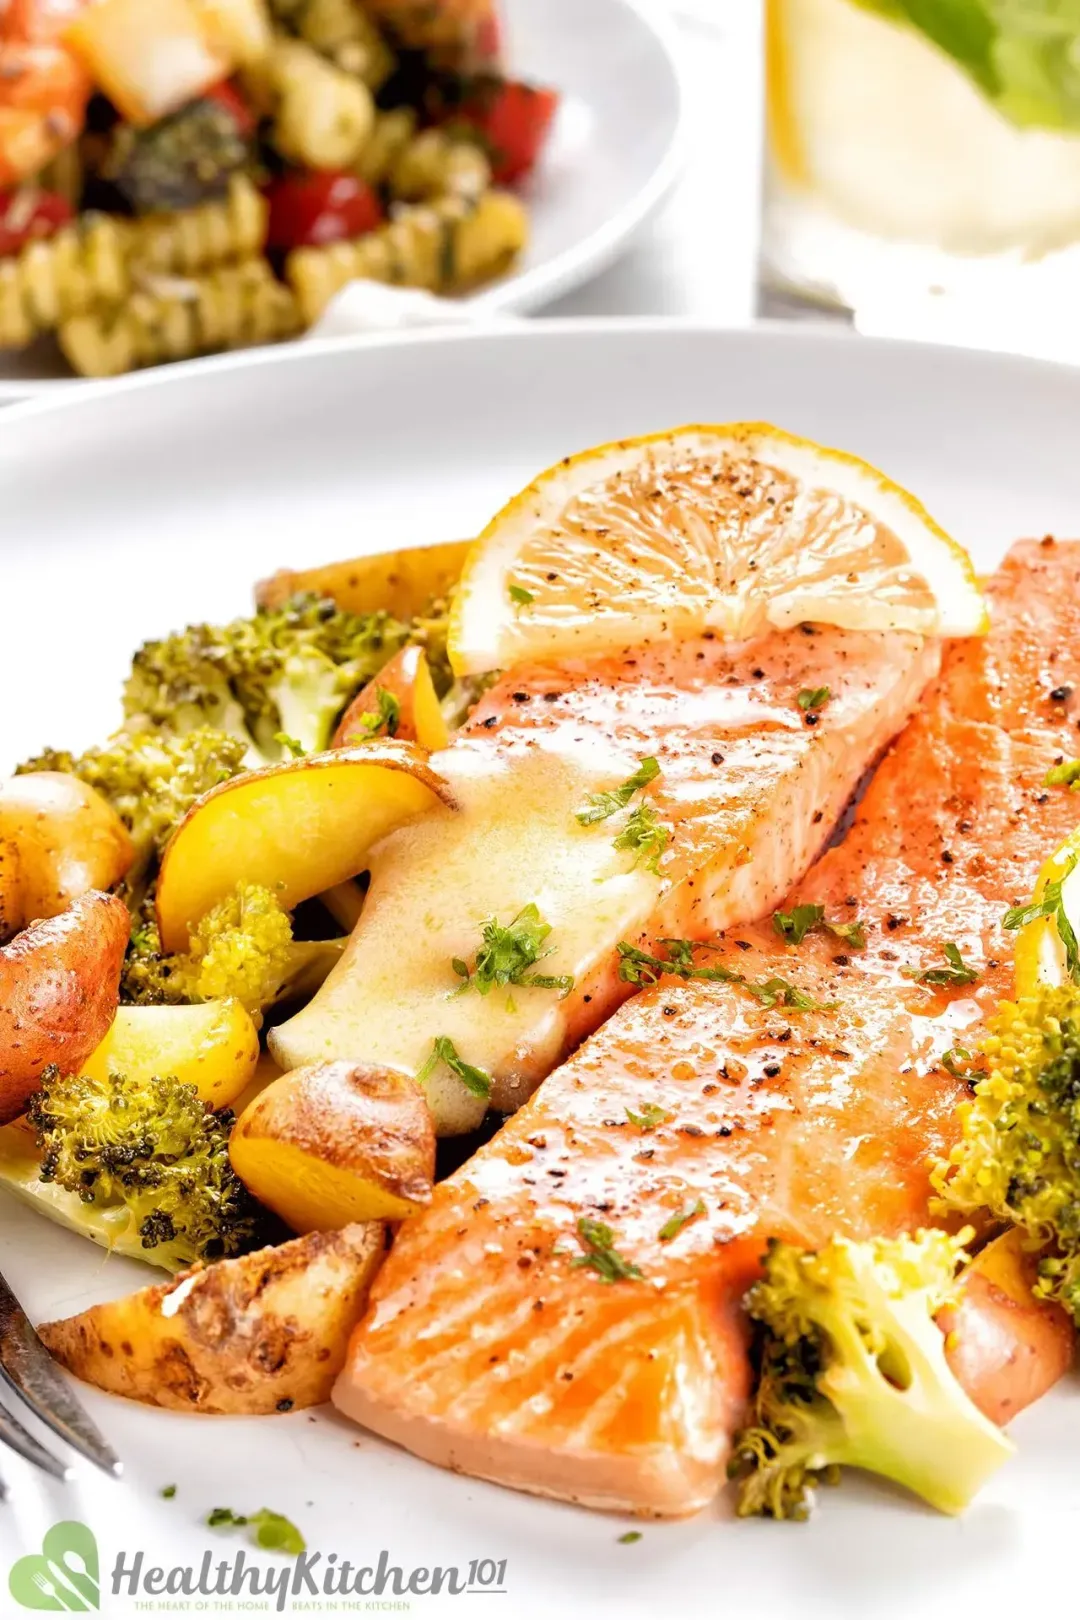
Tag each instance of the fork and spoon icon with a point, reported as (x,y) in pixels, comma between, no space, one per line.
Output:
(63,1577)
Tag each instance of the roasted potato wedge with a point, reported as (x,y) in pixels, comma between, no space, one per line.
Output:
(266,1332)
(59,982)
(213,1046)
(415,715)
(398,582)
(58,839)
(1005,1346)
(297,828)
(335,1143)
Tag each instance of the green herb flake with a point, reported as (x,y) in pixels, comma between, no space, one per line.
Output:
(957,972)
(224,1519)
(813,698)
(168,1492)
(289,745)
(600,1255)
(385,720)
(520,596)
(506,954)
(650,1116)
(957,1061)
(476,1081)
(275,1533)
(1067,774)
(673,1226)
(271,1531)
(1051,903)
(645,836)
(794,925)
(628,1537)
(601,805)
(640,968)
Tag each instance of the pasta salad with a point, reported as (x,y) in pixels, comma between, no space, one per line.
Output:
(179,177)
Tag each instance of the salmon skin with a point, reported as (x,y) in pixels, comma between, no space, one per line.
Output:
(750,785)
(607,1365)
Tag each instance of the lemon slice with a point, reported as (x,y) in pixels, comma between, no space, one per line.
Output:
(732,529)
(1043,945)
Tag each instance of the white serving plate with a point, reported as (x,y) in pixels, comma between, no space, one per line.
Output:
(128,509)
(613,156)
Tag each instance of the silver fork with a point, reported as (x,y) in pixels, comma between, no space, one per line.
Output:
(30,1372)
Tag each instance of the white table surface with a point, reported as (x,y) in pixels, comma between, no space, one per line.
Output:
(699,256)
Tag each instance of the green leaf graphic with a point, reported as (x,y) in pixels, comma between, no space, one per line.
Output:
(63,1576)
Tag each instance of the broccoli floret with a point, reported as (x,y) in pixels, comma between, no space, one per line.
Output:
(182,160)
(853,1372)
(151,781)
(284,673)
(243,947)
(1019,1154)
(153,1149)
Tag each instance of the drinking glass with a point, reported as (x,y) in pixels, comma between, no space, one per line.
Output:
(924,147)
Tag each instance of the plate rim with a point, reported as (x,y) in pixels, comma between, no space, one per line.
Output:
(525,290)
(65,396)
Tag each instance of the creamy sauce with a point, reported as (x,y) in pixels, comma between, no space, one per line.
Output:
(514,840)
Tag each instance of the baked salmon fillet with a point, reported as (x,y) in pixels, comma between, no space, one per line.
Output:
(750,785)
(512,1337)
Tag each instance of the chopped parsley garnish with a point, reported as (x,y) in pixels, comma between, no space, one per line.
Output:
(650,1116)
(957,1062)
(271,1531)
(674,1225)
(167,1492)
(812,698)
(520,596)
(956,973)
(443,1050)
(1051,904)
(628,1537)
(506,954)
(1067,774)
(602,805)
(288,745)
(640,968)
(600,1255)
(224,1518)
(645,836)
(794,925)
(386,719)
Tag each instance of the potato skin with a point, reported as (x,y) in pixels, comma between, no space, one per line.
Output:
(266,1332)
(407,678)
(398,582)
(243,830)
(368,1123)
(1006,1347)
(59,987)
(65,840)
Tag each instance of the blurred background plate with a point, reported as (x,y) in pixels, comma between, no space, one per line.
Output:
(612,158)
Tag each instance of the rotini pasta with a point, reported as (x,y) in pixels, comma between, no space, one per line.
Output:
(84,264)
(444,246)
(389,137)
(230,170)
(196,239)
(436,164)
(172,319)
(324,116)
(341,31)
